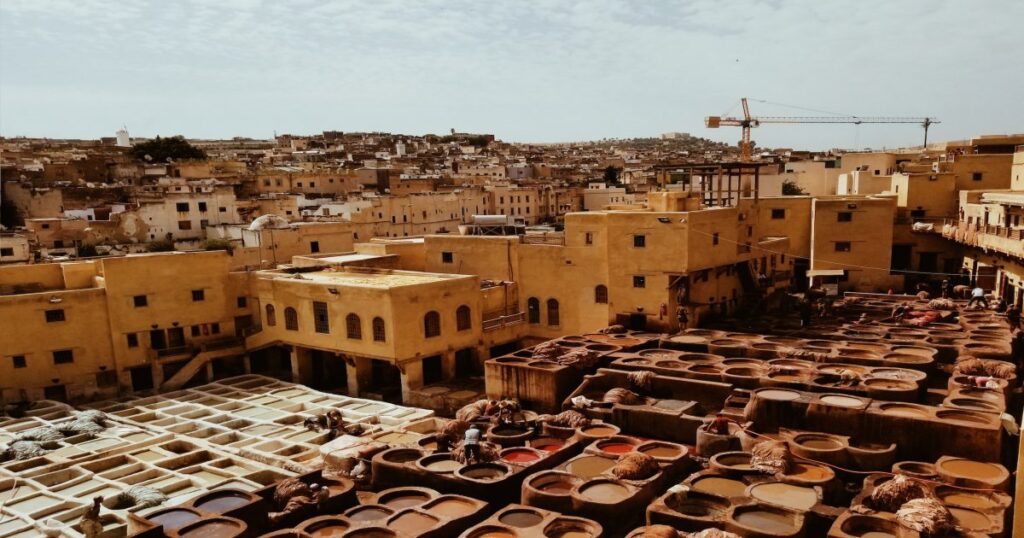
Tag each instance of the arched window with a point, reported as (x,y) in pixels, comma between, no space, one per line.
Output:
(553,312)
(533,310)
(378,330)
(353,327)
(601,294)
(463,321)
(291,319)
(271,316)
(432,324)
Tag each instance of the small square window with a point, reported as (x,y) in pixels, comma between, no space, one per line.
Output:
(588,238)
(6,251)
(844,216)
(63,356)
(447,257)
(714,238)
(314,247)
(639,241)
(778,214)
(182,207)
(18,361)
(196,331)
(639,282)
(843,246)
(202,207)
(184,225)
(242,301)
(976,176)
(139,301)
(133,340)
(55,315)
(215,328)
(198,295)
(222,209)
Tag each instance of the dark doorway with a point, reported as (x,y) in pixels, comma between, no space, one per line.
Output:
(929,262)
(176,337)
(142,378)
(901,257)
(386,380)
(433,372)
(56,392)
(242,323)
(329,371)
(800,268)
(228,367)
(171,368)
(466,364)
(157,339)
(275,362)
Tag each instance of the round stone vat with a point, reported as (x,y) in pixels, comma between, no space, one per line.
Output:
(894,390)
(401,455)
(616,445)
(550,490)
(325,526)
(547,444)
(404,497)
(603,491)
(214,527)
(965,472)
(697,505)
(492,531)
(173,519)
(661,451)
(734,462)
(412,523)
(570,527)
(720,486)
(905,410)
(588,466)
(763,520)
(743,377)
(521,455)
(598,431)
(916,469)
(484,472)
(451,506)
(865,526)
(369,512)
(438,463)
(792,496)
(503,435)
(521,518)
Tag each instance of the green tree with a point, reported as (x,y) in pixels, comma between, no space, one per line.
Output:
(217,244)
(790,188)
(161,245)
(160,149)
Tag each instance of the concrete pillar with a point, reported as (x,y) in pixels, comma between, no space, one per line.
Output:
(412,378)
(448,365)
(158,374)
(247,363)
(209,371)
(359,374)
(302,365)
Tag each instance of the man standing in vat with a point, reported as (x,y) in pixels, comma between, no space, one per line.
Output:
(471,444)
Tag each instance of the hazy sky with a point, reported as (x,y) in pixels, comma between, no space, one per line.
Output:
(531,71)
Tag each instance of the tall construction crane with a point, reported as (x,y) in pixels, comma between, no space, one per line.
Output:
(747,122)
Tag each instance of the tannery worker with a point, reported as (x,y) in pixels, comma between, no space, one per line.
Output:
(471,443)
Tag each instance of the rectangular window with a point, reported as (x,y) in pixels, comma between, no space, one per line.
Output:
(6,251)
(56,314)
(778,214)
(140,301)
(133,340)
(182,207)
(198,295)
(314,246)
(714,238)
(843,246)
(203,224)
(184,225)
(845,216)
(18,361)
(63,356)
(196,331)
(242,301)
(639,282)
(320,319)
(976,176)
(215,328)
(447,257)
(222,209)
(202,207)
(589,238)
(639,241)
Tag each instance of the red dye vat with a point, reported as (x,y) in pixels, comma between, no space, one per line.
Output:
(617,448)
(520,456)
(549,448)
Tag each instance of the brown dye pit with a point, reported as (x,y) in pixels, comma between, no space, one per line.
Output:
(597,431)
(405,500)
(568,531)
(765,521)
(671,405)
(483,472)
(412,523)
(788,495)
(221,502)
(521,518)
(212,529)
(173,520)
(604,492)
(780,395)
(972,469)
(723,487)
(819,443)
(589,466)
(970,519)
(904,410)
(842,401)
(453,508)
(495,532)
(660,451)
(969,500)
(369,514)
(443,466)
(811,473)
(327,529)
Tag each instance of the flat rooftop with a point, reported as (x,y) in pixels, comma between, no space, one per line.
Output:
(369,279)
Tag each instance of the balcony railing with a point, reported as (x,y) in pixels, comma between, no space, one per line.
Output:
(175,351)
(502,321)
(987,236)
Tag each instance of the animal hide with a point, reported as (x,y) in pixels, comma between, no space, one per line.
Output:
(771,457)
(569,419)
(580,358)
(660,531)
(623,396)
(641,380)
(927,516)
(890,495)
(635,466)
(548,351)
